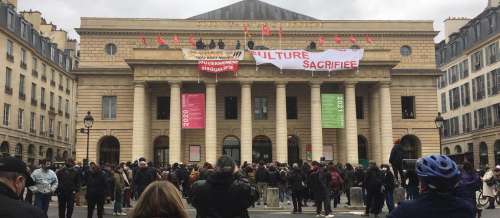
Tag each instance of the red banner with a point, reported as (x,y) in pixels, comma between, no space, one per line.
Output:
(193,111)
(218,66)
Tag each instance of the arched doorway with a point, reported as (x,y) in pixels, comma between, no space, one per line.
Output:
(232,148)
(483,154)
(362,150)
(497,152)
(161,151)
(293,149)
(4,149)
(109,150)
(411,146)
(446,151)
(18,151)
(65,155)
(262,149)
(458,149)
(31,154)
(49,154)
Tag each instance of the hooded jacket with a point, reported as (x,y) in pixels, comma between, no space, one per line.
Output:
(11,206)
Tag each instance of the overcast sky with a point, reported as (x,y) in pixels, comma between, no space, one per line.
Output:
(66,13)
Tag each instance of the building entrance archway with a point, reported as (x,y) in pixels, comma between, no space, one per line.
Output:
(232,148)
(109,150)
(161,151)
(293,150)
(362,150)
(4,149)
(262,149)
(411,146)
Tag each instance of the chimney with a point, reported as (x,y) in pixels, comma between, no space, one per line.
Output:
(34,17)
(453,25)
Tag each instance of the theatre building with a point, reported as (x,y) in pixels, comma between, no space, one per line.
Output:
(142,83)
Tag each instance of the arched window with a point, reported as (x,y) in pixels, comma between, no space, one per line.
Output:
(231,147)
(458,149)
(446,151)
(262,149)
(109,150)
(18,151)
(161,151)
(4,149)
(411,146)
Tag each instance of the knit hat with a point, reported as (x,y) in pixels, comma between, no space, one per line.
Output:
(225,164)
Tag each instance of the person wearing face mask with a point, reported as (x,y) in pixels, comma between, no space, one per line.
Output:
(46,183)
(13,178)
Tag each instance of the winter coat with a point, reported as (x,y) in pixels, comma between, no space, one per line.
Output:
(467,187)
(488,191)
(374,180)
(397,156)
(222,195)
(274,177)
(119,182)
(388,181)
(143,177)
(97,185)
(433,205)
(320,182)
(68,181)
(359,178)
(296,180)
(12,206)
(262,175)
(348,179)
(45,181)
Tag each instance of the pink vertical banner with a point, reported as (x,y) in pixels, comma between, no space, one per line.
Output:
(193,111)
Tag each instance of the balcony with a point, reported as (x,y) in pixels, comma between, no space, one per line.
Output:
(68,92)
(52,111)
(42,133)
(44,78)
(10,57)
(61,88)
(33,131)
(22,96)
(8,90)
(34,102)
(23,65)
(34,73)
(60,112)
(53,83)
(43,106)
(66,115)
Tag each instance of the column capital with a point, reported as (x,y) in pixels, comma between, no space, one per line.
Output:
(280,83)
(384,84)
(246,83)
(175,83)
(350,84)
(315,84)
(139,84)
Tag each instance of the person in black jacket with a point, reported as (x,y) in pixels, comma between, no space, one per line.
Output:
(321,187)
(296,184)
(143,177)
(262,180)
(389,186)
(97,187)
(224,194)
(396,160)
(374,191)
(69,184)
(13,178)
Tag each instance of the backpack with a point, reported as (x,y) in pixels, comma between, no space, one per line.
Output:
(336,180)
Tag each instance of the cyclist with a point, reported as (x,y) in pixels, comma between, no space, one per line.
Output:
(439,175)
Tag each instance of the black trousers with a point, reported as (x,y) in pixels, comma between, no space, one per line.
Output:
(92,203)
(374,202)
(323,198)
(297,201)
(66,204)
(348,195)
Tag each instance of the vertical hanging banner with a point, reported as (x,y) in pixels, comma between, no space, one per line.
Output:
(332,111)
(193,111)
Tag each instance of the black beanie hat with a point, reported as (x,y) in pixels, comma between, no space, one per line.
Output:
(225,164)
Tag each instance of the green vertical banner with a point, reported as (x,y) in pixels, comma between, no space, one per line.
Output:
(332,111)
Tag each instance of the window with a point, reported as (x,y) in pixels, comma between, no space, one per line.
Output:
(465,94)
(477,31)
(23,57)
(163,108)
(491,53)
(51,127)
(44,71)
(20,118)
(454,127)
(21,85)
(59,126)
(66,107)
(52,76)
(32,122)
(477,60)
(34,62)
(60,59)
(482,118)
(59,103)
(60,80)
(8,78)
(491,23)
(464,69)
(231,107)
(454,95)
(110,49)
(66,131)
(260,108)
(291,108)
(11,20)
(478,88)
(52,53)
(405,50)
(42,95)
(10,50)
(453,74)
(493,82)
(443,102)
(6,114)
(408,107)
(51,103)
(24,29)
(109,107)
(496,114)
(466,123)
(42,124)
(359,107)
(33,91)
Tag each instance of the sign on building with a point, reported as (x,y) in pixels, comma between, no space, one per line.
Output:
(193,111)
(214,54)
(332,111)
(218,66)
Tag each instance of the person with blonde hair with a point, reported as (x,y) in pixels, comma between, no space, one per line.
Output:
(160,199)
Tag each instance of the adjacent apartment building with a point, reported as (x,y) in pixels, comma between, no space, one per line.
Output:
(37,97)
(469,90)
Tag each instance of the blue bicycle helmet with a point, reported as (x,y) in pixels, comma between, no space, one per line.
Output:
(438,171)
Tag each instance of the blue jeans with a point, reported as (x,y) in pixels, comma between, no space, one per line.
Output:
(389,200)
(118,202)
(42,201)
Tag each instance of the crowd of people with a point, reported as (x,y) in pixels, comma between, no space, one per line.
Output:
(319,184)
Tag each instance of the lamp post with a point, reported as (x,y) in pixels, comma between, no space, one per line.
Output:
(439,124)
(88,120)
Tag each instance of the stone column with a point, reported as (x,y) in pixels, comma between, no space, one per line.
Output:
(139,123)
(376,150)
(281,123)
(210,124)
(246,122)
(175,148)
(341,146)
(351,127)
(316,128)
(385,121)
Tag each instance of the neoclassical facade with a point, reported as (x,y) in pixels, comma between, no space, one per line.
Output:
(133,89)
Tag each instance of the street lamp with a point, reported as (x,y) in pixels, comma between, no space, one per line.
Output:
(88,120)
(439,124)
